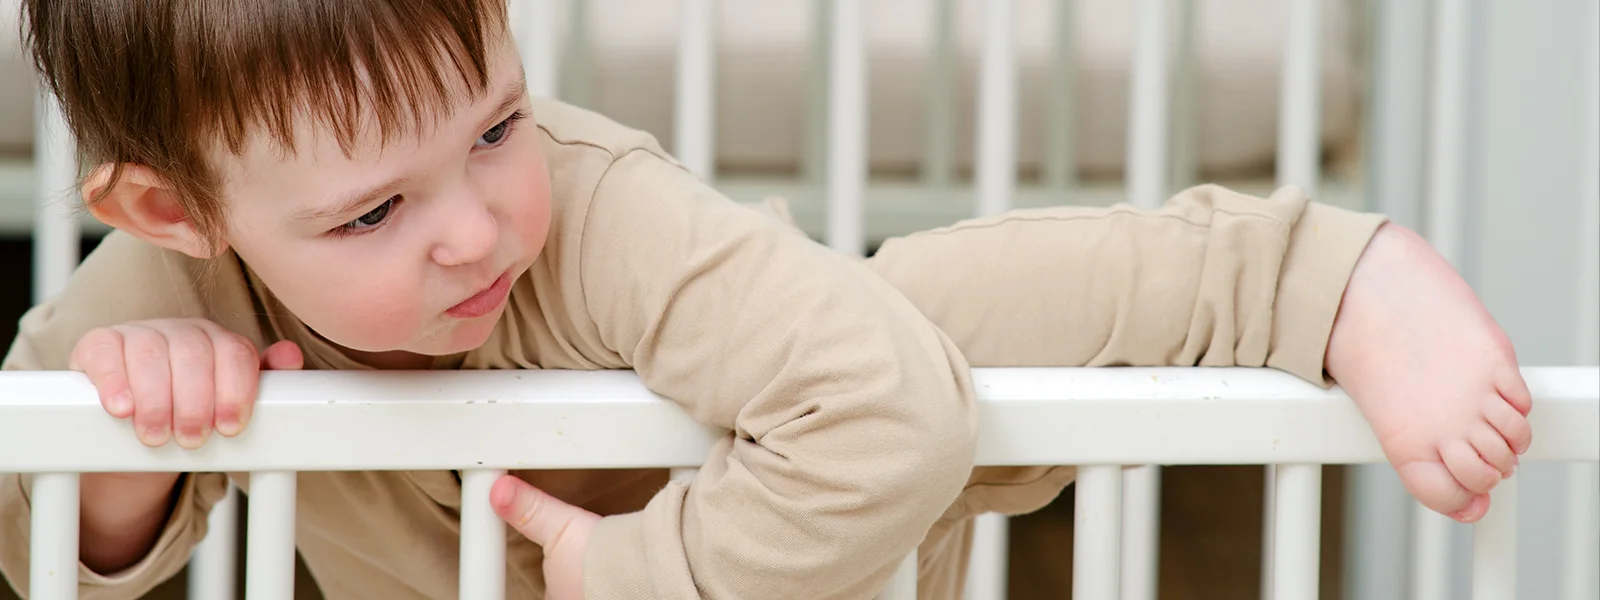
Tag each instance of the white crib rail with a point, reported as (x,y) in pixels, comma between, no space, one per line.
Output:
(1099,418)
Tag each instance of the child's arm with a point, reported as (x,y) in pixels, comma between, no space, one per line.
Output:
(1218,278)
(136,529)
(852,416)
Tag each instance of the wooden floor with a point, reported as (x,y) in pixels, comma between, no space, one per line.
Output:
(1210,518)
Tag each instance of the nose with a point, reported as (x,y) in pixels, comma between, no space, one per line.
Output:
(468,232)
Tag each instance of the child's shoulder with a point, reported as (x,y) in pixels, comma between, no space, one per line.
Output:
(126,279)
(584,131)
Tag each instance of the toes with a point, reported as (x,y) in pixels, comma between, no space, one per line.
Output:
(1509,423)
(1514,389)
(1432,485)
(1467,467)
(1492,448)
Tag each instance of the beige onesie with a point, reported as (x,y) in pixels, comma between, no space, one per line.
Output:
(843,382)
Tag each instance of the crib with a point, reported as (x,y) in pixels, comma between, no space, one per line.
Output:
(1118,424)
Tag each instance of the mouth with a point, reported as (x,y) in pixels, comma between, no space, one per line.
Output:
(485,301)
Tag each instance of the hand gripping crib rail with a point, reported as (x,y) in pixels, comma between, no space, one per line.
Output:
(1410,104)
(52,424)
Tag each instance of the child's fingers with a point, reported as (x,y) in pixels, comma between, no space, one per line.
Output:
(1468,468)
(194,384)
(1492,448)
(540,517)
(99,356)
(237,371)
(1509,423)
(282,356)
(149,369)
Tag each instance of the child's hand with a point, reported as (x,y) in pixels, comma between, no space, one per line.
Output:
(561,529)
(178,375)
(1434,375)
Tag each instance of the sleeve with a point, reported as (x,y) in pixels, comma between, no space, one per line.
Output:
(851,416)
(1212,278)
(123,280)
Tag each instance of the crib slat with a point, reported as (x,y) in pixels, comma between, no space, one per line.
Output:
(1582,538)
(1148,166)
(269,551)
(1297,532)
(847,132)
(1430,554)
(997,112)
(483,538)
(1060,160)
(1141,531)
(1298,98)
(1447,149)
(55,234)
(533,26)
(1494,546)
(903,586)
(1097,530)
(695,130)
(986,571)
(211,569)
(939,125)
(53,553)
(1150,110)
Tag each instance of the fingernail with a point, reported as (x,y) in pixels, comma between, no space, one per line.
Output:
(155,435)
(121,402)
(228,426)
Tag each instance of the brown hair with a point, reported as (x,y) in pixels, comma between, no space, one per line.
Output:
(162,82)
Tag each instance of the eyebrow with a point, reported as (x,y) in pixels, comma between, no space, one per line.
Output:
(352,201)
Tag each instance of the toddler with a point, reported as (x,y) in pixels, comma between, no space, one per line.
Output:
(366,184)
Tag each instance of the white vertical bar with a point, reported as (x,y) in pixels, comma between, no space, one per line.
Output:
(533,26)
(939,127)
(1430,554)
(1430,571)
(1297,158)
(1097,527)
(53,554)
(1580,579)
(1582,541)
(997,112)
(483,538)
(1376,517)
(814,162)
(1148,127)
(1141,531)
(695,135)
(1148,166)
(847,131)
(572,66)
(683,474)
(1183,165)
(211,569)
(986,573)
(1297,125)
(269,552)
(1297,532)
(1494,546)
(55,233)
(1060,162)
(903,586)
(1447,149)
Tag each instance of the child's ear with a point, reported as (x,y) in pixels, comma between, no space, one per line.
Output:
(143,204)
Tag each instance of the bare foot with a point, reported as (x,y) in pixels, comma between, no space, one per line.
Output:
(1432,372)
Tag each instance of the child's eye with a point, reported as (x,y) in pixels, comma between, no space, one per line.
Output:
(372,219)
(498,134)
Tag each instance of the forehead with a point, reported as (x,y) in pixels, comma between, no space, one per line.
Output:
(318,149)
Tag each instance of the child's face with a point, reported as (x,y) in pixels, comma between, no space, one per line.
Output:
(409,247)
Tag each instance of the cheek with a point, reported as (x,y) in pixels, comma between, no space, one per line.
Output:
(528,202)
(360,303)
